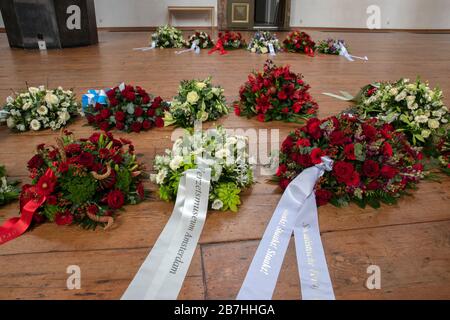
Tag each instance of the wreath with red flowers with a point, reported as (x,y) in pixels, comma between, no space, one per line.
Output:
(372,162)
(277,93)
(299,42)
(129,109)
(84,181)
(231,40)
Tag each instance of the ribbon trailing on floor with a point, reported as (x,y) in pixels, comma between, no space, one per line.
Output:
(153,46)
(16,226)
(163,271)
(218,47)
(93,97)
(345,96)
(344,52)
(296,213)
(194,47)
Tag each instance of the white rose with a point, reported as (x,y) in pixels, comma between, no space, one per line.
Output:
(9,99)
(10,122)
(433,124)
(42,110)
(192,97)
(176,162)
(200,85)
(401,96)
(425,133)
(217,204)
(41,88)
(253,50)
(35,125)
(204,116)
(33,90)
(50,98)
(64,116)
(26,106)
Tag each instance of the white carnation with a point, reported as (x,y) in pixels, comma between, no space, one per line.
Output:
(401,96)
(421,119)
(176,162)
(35,125)
(51,99)
(33,90)
(10,122)
(217,204)
(64,116)
(26,106)
(42,110)
(433,124)
(9,99)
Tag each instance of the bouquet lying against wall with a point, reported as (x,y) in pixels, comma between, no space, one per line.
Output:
(83,181)
(39,108)
(299,42)
(228,40)
(127,108)
(331,46)
(373,163)
(261,42)
(202,40)
(197,100)
(226,155)
(277,93)
(411,107)
(8,189)
(167,37)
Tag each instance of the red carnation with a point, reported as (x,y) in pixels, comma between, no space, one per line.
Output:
(371,169)
(282,95)
(159,122)
(323,197)
(86,159)
(62,219)
(146,124)
(349,151)
(388,172)
(284,183)
(73,148)
(63,167)
(337,138)
(45,185)
(136,126)
(35,162)
(120,116)
(120,125)
(373,185)
(313,127)
(354,180)
(138,111)
(287,144)
(304,160)
(281,170)
(261,117)
(303,142)
(343,171)
(369,131)
(387,150)
(115,199)
(316,155)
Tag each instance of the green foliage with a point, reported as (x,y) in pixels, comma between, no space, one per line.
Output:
(79,189)
(228,193)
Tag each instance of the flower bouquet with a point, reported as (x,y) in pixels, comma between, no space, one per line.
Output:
(262,40)
(331,46)
(167,37)
(197,100)
(128,109)
(8,189)
(228,41)
(275,94)
(413,108)
(202,39)
(40,108)
(299,42)
(373,163)
(225,154)
(83,181)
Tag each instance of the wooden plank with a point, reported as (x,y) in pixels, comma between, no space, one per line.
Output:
(414,261)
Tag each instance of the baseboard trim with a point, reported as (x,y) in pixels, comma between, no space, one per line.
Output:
(365,30)
(149,28)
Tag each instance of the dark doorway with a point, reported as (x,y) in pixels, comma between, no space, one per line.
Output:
(267,13)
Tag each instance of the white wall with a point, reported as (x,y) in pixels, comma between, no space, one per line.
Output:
(395,14)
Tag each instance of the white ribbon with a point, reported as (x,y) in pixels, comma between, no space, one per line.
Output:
(153,46)
(194,47)
(272,50)
(344,52)
(162,274)
(3,115)
(295,213)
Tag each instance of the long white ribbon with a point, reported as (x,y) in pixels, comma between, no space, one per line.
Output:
(295,213)
(162,274)
(194,47)
(153,46)
(344,52)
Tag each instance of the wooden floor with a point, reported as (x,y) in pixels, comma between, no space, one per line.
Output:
(410,241)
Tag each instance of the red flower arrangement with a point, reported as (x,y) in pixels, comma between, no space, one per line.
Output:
(372,162)
(228,41)
(83,181)
(131,109)
(275,94)
(299,42)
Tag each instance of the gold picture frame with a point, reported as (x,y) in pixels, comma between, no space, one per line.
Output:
(240,13)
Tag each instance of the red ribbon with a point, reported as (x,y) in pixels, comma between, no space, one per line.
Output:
(218,47)
(16,226)
(309,51)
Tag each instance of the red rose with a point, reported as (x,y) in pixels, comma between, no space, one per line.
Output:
(115,199)
(323,197)
(92,209)
(304,160)
(284,183)
(111,93)
(287,144)
(261,117)
(120,116)
(104,126)
(343,171)
(297,107)
(138,111)
(86,159)
(94,137)
(159,122)
(140,190)
(129,95)
(313,127)
(145,98)
(371,169)
(337,138)
(316,155)
(105,113)
(45,185)
(349,151)
(62,219)
(120,125)
(113,102)
(156,102)
(136,126)
(303,142)
(387,150)
(354,180)
(388,172)
(146,124)
(373,185)
(369,131)
(151,112)
(35,162)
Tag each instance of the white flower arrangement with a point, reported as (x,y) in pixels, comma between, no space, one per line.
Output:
(197,100)
(202,39)
(261,41)
(413,108)
(40,108)
(168,37)
(226,155)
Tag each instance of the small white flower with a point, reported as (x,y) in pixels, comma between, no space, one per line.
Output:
(425,133)
(433,124)
(33,90)
(35,125)
(176,162)
(217,204)
(401,96)
(64,116)
(159,179)
(393,91)
(10,122)
(9,100)
(42,110)
(51,99)
(421,119)
(26,106)
(20,127)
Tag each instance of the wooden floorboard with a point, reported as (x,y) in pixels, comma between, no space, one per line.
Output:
(409,241)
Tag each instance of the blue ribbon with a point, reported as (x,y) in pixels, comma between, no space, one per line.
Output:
(93,97)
